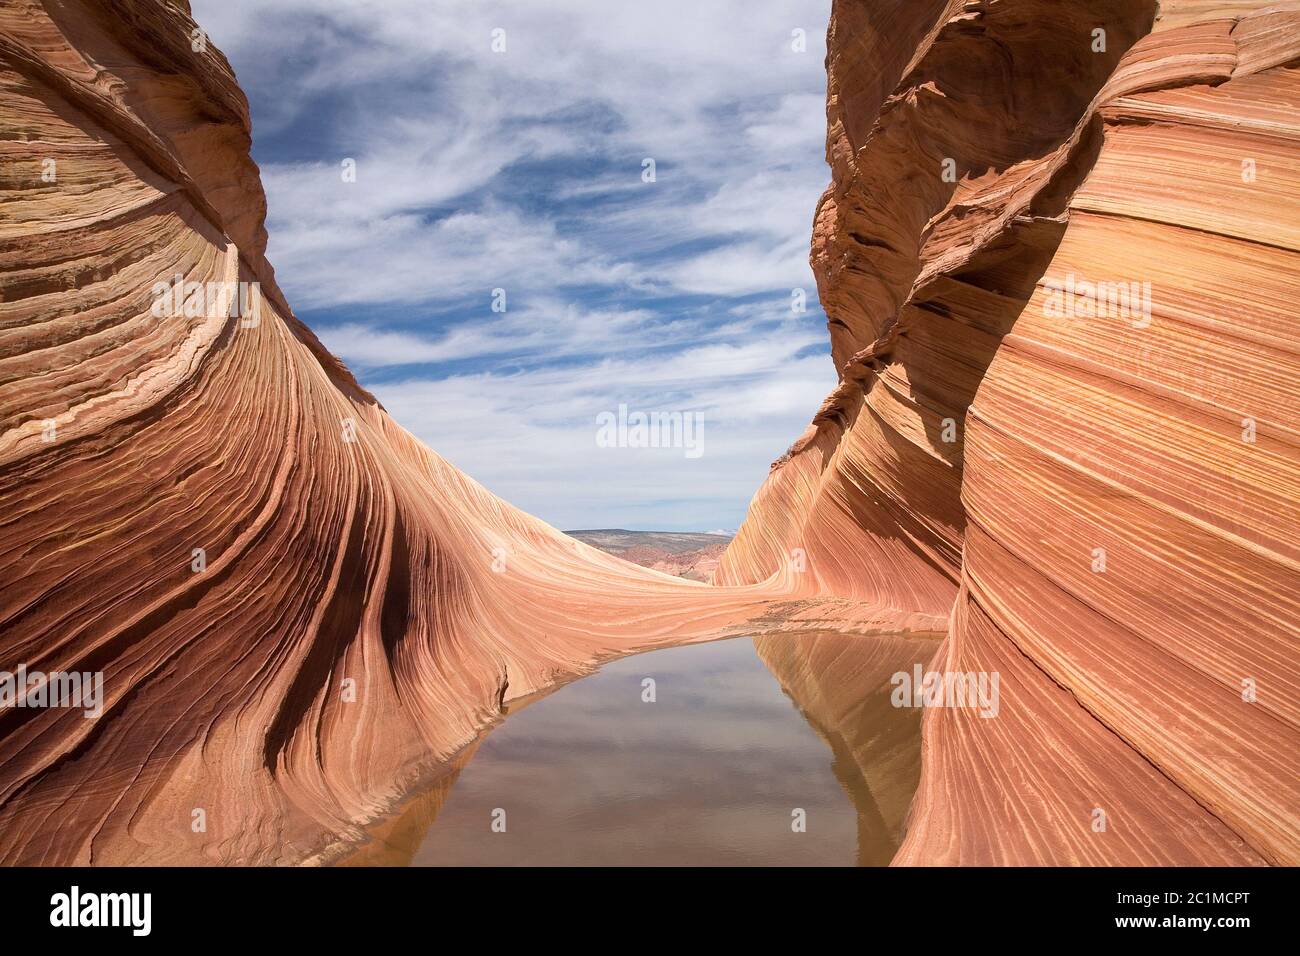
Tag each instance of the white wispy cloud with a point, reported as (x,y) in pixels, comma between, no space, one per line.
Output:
(522,170)
(531,436)
(713,91)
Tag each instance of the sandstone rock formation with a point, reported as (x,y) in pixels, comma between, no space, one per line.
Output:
(1113,507)
(298,609)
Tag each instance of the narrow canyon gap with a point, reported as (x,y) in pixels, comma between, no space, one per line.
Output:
(977,454)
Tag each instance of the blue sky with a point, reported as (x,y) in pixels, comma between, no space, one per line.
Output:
(522,170)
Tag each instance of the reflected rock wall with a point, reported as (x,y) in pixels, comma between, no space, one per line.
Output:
(844,686)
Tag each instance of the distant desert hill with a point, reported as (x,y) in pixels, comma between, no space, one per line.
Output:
(686,554)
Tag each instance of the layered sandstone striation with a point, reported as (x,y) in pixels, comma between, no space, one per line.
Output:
(298,609)
(1106,497)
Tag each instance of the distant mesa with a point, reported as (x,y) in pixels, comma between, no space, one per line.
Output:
(683,554)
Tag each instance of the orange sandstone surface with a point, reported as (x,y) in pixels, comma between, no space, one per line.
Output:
(299,610)
(1112,515)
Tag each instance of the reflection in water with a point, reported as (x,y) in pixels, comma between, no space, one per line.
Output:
(707,773)
(841,685)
